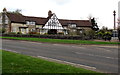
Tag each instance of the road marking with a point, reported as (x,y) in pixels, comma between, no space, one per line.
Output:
(11,50)
(61,45)
(88,67)
(95,55)
(104,49)
(74,64)
(7,40)
(31,42)
(79,47)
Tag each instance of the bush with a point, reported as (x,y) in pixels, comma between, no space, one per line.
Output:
(2,30)
(45,33)
(61,33)
(107,36)
(89,34)
(19,33)
(32,32)
(11,33)
(100,35)
(46,36)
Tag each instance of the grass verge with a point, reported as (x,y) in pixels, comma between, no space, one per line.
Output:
(18,63)
(0,62)
(60,40)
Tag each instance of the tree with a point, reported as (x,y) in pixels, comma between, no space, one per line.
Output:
(94,25)
(119,33)
(90,34)
(17,11)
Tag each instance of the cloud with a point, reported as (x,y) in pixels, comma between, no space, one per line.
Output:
(61,2)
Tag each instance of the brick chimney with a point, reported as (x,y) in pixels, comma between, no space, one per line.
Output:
(4,10)
(49,13)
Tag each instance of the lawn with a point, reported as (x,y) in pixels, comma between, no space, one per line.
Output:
(18,63)
(60,40)
(0,62)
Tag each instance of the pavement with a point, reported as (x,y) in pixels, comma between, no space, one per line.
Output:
(101,58)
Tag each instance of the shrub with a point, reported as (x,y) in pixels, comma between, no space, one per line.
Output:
(45,33)
(107,36)
(2,30)
(19,33)
(61,33)
(12,33)
(32,32)
(100,35)
(90,34)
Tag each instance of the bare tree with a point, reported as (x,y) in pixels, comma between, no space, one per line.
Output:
(17,11)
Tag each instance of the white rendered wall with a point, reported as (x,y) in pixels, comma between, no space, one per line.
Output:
(51,25)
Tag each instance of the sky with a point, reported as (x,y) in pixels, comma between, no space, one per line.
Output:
(102,10)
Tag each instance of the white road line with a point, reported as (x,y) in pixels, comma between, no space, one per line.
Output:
(11,51)
(95,55)
(57,44)
(79,47)
(31,42)
(104,49)
(7,40)
(60,61)
(84,66)
(61,45)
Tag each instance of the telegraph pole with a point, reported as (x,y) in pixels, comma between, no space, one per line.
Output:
(114,14)
(115,32)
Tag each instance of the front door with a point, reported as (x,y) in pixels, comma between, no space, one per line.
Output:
(52,31)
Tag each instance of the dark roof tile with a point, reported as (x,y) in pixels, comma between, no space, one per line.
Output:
(18,18)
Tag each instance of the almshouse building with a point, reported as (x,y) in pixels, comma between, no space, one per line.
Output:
(13,22)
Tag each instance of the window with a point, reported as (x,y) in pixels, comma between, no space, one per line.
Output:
(23,30)
(0,19)
(30,22)
(27,22)
(33,30)
(14,29)
(72,25)
(6,21)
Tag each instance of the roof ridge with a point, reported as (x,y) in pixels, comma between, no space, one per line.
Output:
(35,17)
(73,20)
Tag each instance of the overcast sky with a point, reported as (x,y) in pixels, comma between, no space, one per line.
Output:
(102,10)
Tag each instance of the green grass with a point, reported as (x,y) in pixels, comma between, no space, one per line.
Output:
(0,62)
(60,40)
(18,63)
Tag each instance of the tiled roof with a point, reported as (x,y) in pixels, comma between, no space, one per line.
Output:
(79,23)
(15,17)
(18,18)
(38,20)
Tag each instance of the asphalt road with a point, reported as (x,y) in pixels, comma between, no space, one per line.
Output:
(100,58)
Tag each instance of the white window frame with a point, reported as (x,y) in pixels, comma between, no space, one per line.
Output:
(73,25)
(30,22)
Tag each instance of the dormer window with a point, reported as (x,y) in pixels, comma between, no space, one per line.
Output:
(30,22)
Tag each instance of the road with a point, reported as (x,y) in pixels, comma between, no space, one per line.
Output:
(99,58)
